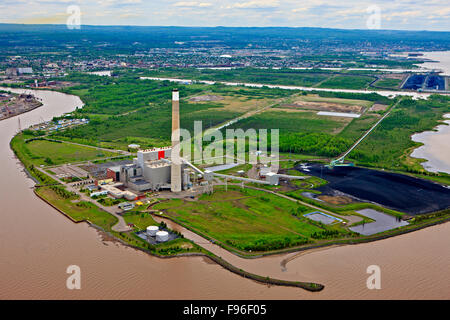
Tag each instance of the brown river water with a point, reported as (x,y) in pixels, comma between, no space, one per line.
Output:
(37,244)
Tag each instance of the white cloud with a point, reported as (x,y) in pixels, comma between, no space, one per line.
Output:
(257,4)
(193,4)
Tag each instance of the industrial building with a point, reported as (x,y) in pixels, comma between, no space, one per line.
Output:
(157,169)
(151,170)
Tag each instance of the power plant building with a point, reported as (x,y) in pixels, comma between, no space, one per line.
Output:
(158,168)
(151,170)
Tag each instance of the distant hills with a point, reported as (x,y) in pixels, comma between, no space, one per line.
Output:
(25,35)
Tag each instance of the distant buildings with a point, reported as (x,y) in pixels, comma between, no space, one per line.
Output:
(14,72)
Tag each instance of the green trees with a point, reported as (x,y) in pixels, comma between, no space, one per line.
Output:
(388,145)
(63,193)
(321,144)
(269,243)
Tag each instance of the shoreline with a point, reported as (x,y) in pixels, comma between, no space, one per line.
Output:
(26,111)
(422,152)
(309,286)
(434,61)
(230,267)
(311,248)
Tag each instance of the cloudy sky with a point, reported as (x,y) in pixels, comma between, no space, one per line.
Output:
(348,14)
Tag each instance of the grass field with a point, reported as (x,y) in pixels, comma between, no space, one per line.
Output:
(359,126)
(317,98)
(347,82)
(388,83)
(79,211)
(235,103)
(140,219)
(43,152)
(245,219)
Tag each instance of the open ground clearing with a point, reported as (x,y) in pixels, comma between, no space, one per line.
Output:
(324,106)
(248,219)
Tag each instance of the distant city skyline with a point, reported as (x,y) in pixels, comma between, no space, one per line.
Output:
(349,14)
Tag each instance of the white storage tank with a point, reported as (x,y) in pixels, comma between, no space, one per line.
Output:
(162,236)
(152,230)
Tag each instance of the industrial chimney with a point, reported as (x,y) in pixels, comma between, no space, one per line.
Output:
(175,177)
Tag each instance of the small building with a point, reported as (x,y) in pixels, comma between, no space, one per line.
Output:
(208,175)
(92,187)
(103,181)
(133,146)
(272,178)
(263,171)
(126,206)
(99,193)
(26,70)
(113,173)
(115,192)
(11,72)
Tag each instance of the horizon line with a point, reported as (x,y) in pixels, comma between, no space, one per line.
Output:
(212,27)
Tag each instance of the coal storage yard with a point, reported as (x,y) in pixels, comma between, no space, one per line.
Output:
(420,81)
(395,191)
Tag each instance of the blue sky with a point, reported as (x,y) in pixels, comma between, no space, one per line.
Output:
(348,14)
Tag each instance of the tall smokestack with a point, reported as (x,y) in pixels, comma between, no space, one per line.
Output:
(175,177)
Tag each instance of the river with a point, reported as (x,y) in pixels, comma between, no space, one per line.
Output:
(436,148)
(37,244)
(441,61)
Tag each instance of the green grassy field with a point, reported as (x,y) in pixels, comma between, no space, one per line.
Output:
(79,211)
(246,219)
(347,82)
(359,126)
(317,98)
(140,219)
(43,152)
(388,83)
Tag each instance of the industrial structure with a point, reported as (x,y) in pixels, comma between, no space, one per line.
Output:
(158,168)
(176,160)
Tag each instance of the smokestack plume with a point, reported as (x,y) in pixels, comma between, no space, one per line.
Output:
(175,177)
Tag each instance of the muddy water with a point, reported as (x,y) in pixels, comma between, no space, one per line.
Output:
(37,244)
(441,61)
(436,148)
